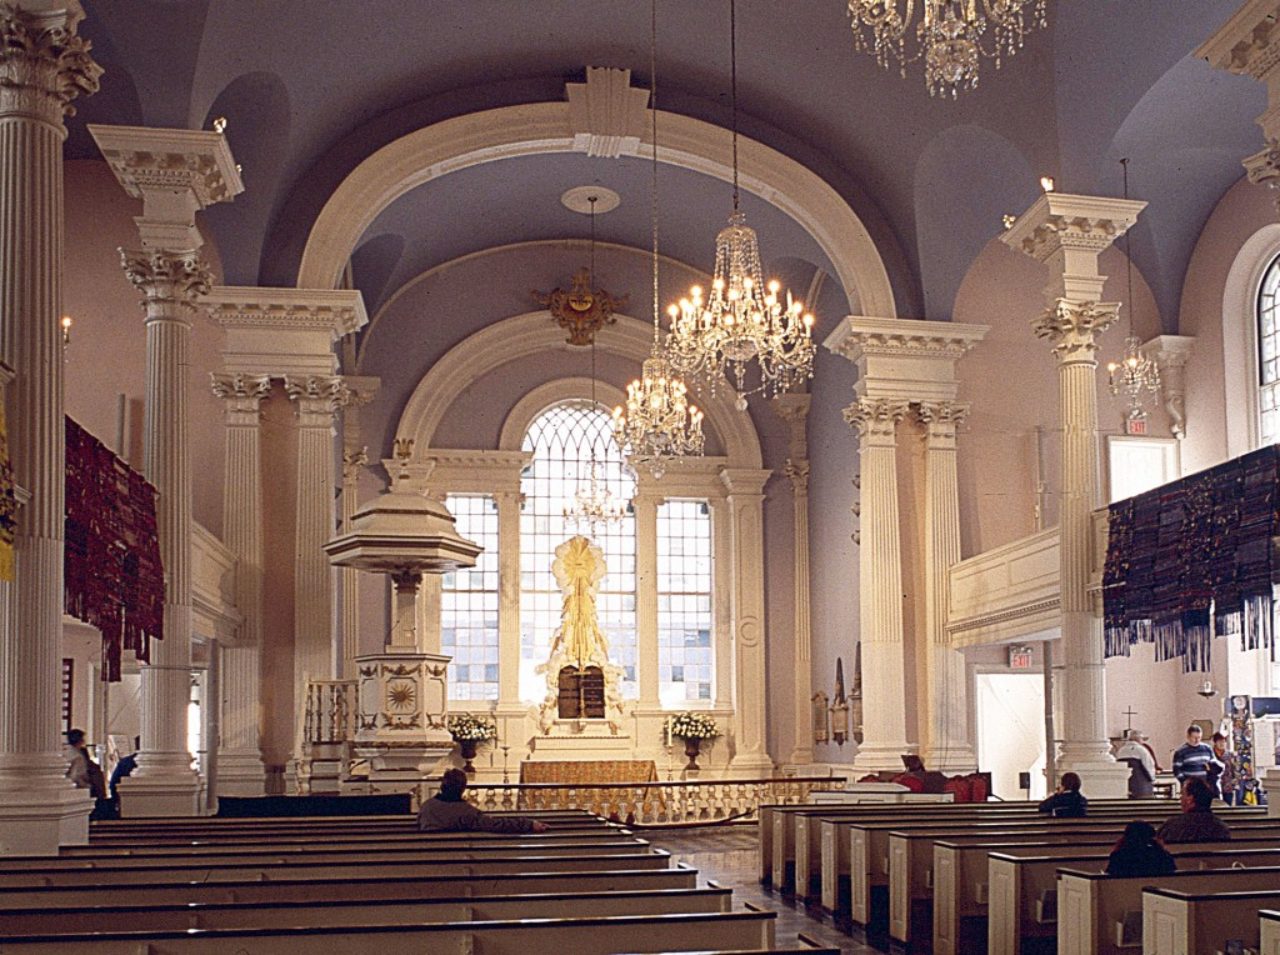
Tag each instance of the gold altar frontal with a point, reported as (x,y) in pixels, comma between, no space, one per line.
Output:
(606,785)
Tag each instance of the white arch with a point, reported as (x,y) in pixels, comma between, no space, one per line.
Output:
(531,334)
(1240,337)
(540,128)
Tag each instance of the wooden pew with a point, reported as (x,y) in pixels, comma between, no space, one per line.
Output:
(321,852)
(350,886)
(346,912)
(469,862)
(961,875)
(1269,930)
(1021,883)
(1094,909)
(747,931)
(1177,922)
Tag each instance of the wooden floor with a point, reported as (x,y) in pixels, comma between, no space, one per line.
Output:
(729,856)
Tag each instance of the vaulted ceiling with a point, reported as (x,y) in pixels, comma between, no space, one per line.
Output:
(312,87)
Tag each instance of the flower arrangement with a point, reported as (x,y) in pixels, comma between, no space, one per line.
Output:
(466,727)
(691,726)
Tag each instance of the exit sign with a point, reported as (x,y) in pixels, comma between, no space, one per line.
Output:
(1020,658)
(1136,426)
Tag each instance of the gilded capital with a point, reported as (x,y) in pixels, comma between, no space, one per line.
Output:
(44,65)
(318,398)
(1072,328)
(165,277)
(941,420)
(876,418)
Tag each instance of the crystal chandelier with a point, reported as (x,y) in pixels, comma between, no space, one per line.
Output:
(742,319)
(1134,378)
(950,36)
(657,422)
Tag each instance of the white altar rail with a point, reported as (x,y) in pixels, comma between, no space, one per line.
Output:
(330,712)
(1012,592)
(656,803)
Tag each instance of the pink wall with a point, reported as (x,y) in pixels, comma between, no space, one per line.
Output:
(108,350)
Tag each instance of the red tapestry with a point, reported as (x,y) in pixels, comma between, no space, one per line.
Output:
(113,577)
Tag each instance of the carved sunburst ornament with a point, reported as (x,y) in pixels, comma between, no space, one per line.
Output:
(402,696)
(581,310)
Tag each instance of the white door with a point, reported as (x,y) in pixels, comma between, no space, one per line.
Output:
(1011,731)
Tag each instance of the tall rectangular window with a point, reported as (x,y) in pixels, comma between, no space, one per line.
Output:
(685,652)
(1268,326)
(469,603)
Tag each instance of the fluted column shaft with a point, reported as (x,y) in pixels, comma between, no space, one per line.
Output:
(240,766)
(802,752)
(170,282)
(317,400)
(884,725)
(352,463)
(646,520)
(509,600)
(746,534)
(948,747)
(1072,328)
(43,66)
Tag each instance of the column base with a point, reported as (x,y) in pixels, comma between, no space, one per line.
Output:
(748,765)
(41,812)
(952,760)
(1102,777)
(800,757)
(241,773)
(164,784)
(881,757)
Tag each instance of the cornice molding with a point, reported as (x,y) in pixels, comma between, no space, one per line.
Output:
(337,311)
(859,335)
(147,159)
(1061,220)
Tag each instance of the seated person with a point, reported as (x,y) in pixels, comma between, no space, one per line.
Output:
(1196,822)
(1140,853)
(449,812)
(1068,802)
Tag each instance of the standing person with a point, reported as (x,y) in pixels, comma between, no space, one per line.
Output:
(1229,778)
(78,768)
(125,767)
(1196,822)
(1067,802)
(449,812)
(1139,853)
(1191,760)
(1142,767)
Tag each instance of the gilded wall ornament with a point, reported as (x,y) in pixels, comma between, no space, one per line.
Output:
(581,310)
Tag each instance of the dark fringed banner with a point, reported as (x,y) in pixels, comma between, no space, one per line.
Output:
(1199,545)
(113,577)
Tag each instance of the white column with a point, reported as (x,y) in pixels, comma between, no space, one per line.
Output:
(240,766)
(794,409)
(317,399)
(354,461)
(884,723)
(947,745)
(171,281)
(1068,233)
(746,534)
(722,612)
(43,66)
(509,604)
(646,517)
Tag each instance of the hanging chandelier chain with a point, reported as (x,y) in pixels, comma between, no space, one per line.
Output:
(1128,241)
(653,184)
(1136,377)
(733,91)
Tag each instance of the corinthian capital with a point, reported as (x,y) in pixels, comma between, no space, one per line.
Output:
(44,65)
(243,395)
(798,473)
(318,398)
(165,277)
(1072,328)
(941,420)
(876,418)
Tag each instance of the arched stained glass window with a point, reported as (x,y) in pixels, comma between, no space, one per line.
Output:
(562,439)
(1269,354)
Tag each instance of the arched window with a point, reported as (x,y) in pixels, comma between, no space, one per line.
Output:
(562,440)
(1268,325)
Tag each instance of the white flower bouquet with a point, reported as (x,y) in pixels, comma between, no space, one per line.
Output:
(698,726)
(467,727)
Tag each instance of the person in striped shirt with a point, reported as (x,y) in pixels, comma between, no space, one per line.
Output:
(1193,759)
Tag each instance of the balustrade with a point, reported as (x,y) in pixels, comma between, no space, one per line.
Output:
(330,712)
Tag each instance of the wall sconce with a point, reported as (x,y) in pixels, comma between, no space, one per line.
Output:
(65,322)
(220,124)
(1047,183)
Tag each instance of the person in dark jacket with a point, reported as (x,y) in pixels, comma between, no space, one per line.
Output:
(1068,802)
(1140,853)
(1196,823)
(449,812)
